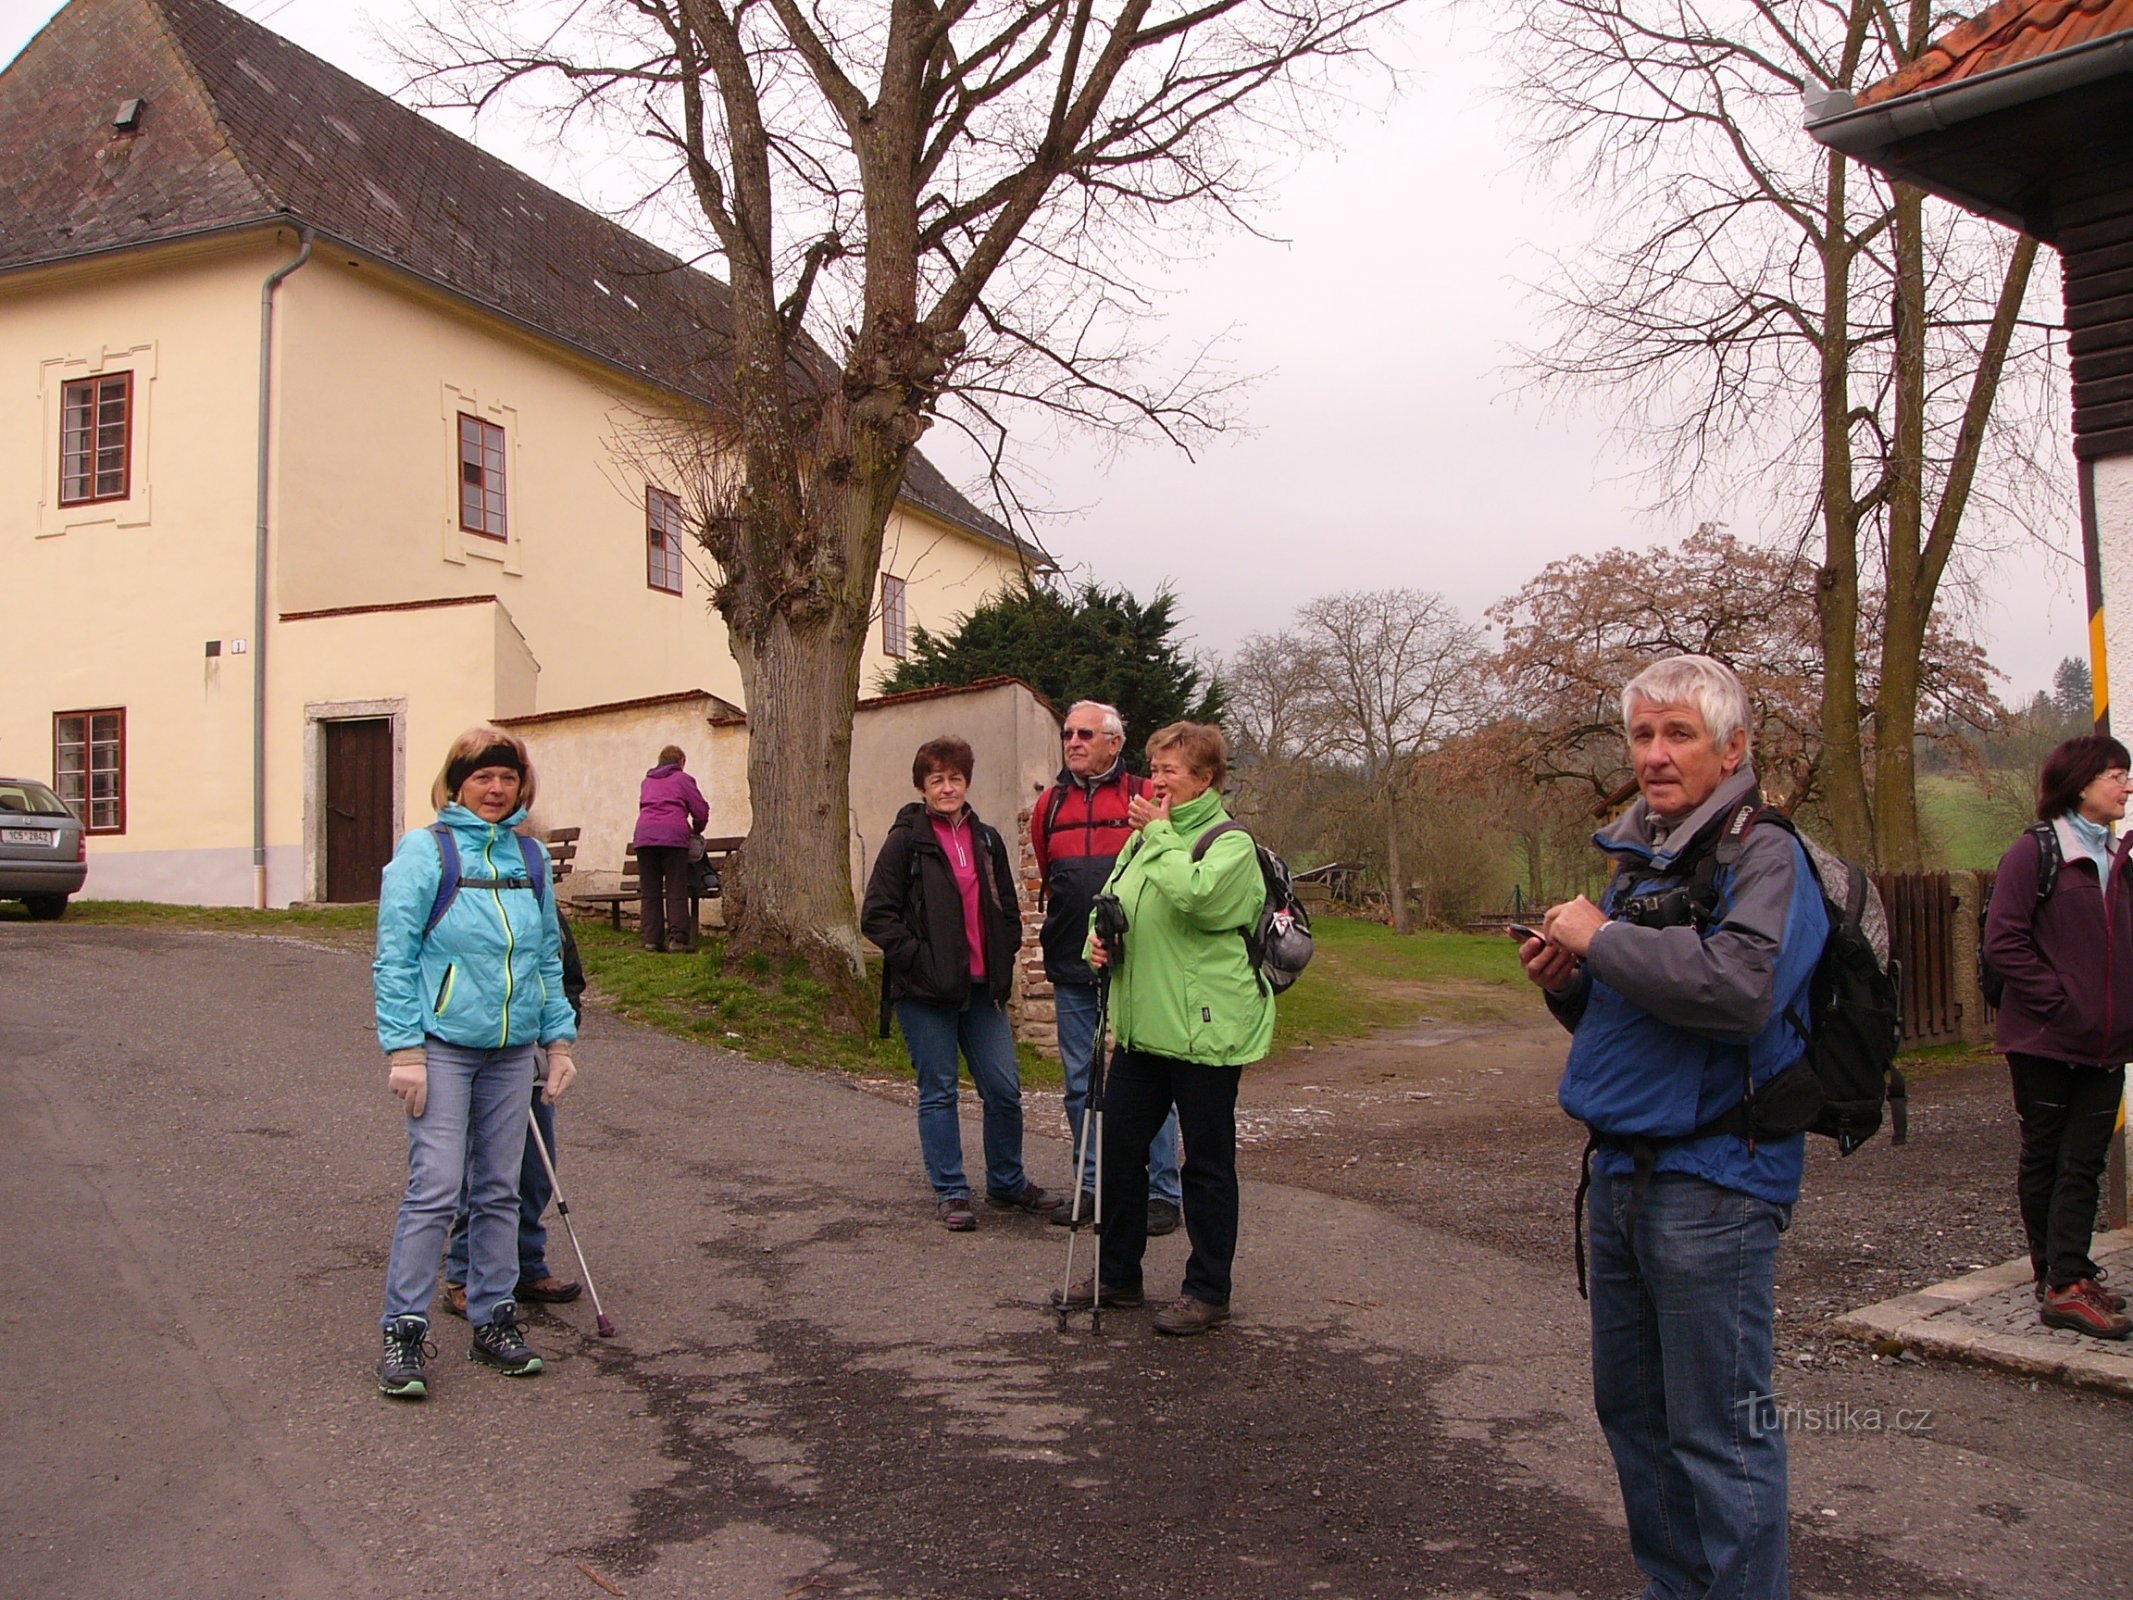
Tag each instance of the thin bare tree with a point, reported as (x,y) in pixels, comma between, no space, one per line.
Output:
(922,208)
(1397,673)
(1770,320)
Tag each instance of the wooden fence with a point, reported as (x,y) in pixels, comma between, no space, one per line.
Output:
(1924,935)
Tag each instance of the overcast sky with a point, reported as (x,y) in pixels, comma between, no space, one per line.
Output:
(1387,445)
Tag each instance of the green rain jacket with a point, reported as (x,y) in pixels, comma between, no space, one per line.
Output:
(1186,989)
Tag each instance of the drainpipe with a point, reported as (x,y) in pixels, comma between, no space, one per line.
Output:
(259,577)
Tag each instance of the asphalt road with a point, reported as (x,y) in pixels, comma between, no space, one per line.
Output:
(814,1390)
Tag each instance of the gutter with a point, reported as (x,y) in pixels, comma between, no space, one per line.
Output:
(259,574)
(1834,121)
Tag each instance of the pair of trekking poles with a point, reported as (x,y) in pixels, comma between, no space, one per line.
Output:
(1111,931)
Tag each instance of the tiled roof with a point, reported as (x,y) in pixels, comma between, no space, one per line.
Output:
(240,127)
(2002,36)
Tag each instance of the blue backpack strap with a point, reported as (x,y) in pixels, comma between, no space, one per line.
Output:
(536,860)
(448,880)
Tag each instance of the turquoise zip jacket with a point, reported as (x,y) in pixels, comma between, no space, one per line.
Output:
(1186,989)
(491,973)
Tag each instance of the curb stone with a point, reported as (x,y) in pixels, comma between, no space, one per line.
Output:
(1990,1317)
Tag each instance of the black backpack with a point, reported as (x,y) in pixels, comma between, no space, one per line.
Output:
(1839,1088)
(1279,942)
(1990,983)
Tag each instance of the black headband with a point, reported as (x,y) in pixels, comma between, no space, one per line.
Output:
(497,755)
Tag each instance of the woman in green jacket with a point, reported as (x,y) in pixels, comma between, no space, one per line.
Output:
(1188,1013)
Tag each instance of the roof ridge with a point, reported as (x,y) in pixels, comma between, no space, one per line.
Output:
(230,142)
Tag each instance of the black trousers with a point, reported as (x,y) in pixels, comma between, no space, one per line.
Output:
(2067,1113)
(1139,1091)
(663,890)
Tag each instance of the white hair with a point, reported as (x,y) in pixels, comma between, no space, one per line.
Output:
(1114,724)
(1710,686)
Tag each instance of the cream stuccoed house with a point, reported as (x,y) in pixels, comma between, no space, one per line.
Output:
(314,426)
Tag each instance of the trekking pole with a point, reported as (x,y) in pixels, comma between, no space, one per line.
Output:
(562,1209)
(1092,1130)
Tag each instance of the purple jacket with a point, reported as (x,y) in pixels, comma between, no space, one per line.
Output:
(669,808)
(2069,984)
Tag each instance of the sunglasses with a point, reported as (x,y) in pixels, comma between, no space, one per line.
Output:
(1077,735)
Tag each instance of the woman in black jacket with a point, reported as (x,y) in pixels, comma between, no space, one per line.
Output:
(942,906)
(2066,1017)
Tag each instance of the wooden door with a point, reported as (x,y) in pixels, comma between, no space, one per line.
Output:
(359,806)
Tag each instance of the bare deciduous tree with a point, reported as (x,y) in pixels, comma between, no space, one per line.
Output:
(923,208)
(1397,672)
(1770,318)
(1584,626)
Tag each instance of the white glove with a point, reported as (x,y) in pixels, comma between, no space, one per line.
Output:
(561,1071)
(410,1078)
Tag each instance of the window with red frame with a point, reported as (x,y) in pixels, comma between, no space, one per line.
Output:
(481,478)
(895,635)
(662,540)
(96,439)
(89,767)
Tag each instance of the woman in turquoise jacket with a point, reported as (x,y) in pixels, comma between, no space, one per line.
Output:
(1189,1013)
(469,978)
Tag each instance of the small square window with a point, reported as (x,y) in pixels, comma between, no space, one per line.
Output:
(96,439)
(481,478)
(895,635)
(662,540)
(89,767)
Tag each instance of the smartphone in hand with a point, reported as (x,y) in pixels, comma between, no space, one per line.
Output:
(1520,932)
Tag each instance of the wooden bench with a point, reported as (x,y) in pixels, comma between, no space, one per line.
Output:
(718,854)
(562,850)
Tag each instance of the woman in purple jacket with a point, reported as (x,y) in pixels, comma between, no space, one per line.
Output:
(2066,1019)
(670,808)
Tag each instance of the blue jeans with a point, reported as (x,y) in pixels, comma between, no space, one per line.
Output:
(1074,1004)
(1681,1357)
(472,1131)
(534,1193)
(981,1033)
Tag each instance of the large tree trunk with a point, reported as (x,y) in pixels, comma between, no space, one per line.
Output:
(1837,582)
(801,681)
(1904,608)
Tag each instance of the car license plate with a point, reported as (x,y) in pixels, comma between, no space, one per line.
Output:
(43,836)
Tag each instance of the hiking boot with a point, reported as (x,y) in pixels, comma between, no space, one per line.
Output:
(407,1347)
(1163,1217)
(1083,1294)
(2094,1289)
(1029,1198)
(499,1344)
(455,1300)
(2072,1307)
(1065,1214)
(956,1215)
(548,1289)
(1185,1316)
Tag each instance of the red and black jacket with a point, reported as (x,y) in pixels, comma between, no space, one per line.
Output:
(1077,831)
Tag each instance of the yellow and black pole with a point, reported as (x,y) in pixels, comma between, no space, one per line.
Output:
(2100,689)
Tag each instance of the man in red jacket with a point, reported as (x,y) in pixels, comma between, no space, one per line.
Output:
(1077,830)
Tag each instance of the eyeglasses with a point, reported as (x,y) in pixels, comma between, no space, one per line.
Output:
(1076,735)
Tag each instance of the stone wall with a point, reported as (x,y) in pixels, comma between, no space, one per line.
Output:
(1035,1024)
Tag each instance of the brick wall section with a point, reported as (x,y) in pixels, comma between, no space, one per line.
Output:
(1031,1007)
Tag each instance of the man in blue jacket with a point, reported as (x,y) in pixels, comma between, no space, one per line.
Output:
(1684,987)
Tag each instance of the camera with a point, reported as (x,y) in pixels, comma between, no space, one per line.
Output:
(1661,908)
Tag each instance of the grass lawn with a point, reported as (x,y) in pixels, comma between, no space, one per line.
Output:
(1364,978)
(1965,831)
